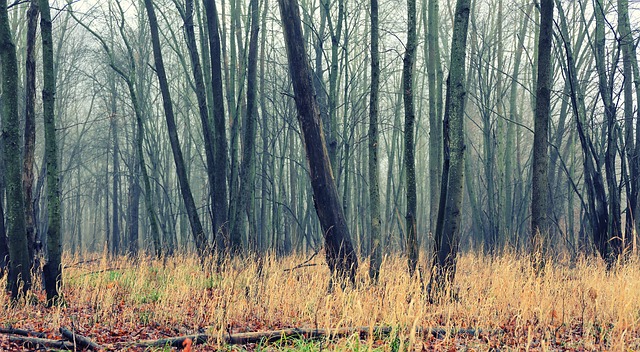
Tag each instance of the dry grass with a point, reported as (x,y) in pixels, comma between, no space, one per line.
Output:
(572,306)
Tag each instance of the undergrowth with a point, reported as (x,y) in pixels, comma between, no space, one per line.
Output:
(574,305)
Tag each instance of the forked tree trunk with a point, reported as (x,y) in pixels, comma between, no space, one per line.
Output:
(449,214)
(340,255)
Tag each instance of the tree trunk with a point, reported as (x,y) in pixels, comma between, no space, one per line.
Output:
(52,271)
(30,126)
(409,145)
(221,207)
(201,96)
(435,119)
(448,227)
(374,189)
(540,186)
(247,169)
(340,255)
(19,280)
(185,189)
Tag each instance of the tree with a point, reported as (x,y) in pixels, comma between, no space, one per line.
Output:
(450,208)
(52,270)
(19,279)
(540,186)
(220,205)
(247,169)
(30,126)
(374,190)
(185,189)
(409,134)
(340,254)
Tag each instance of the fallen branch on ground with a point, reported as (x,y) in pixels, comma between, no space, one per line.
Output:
(22,332)
(35,342)
(275,335)
(79,340)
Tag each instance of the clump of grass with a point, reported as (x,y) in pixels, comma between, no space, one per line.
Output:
(573,305)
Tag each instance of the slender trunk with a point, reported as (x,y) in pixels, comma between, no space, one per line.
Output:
(247,169)
(409,145)
(30,126)
(221,207)
(185,188)
(52,269)
(540,186)
(374,189)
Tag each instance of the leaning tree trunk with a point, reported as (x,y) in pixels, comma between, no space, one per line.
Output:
(52,271)
(19,280)
(540,186)
(340,255)
(183,180)
(448,227)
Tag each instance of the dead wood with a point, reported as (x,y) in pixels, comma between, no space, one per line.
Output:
(22,332)
(275,335)
(36,342)
(79,340)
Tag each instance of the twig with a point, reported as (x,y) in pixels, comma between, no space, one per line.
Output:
(79,340)
(34,342)
(304,264)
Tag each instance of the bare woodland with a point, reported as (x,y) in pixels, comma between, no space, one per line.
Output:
(355,129)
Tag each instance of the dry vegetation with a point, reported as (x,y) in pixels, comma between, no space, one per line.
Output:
(117,302)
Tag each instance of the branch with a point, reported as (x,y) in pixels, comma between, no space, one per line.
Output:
(79,340)
(35,342)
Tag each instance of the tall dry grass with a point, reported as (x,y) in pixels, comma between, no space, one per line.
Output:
(578,303)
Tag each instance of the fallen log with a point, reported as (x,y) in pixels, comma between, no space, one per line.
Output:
(79,340)
(275,335)
(22,332)
(37,342)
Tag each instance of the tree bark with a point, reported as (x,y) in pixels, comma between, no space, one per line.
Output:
(540,186)
(374,188)
(247,169)
(19,279)
(340,254)
(220,205)
(185,189)
(52,270)
(448,227)
(409,145)
(30,127)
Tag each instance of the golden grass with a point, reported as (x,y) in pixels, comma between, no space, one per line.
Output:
(571,306)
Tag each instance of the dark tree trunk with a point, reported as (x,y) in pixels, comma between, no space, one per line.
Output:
(19,280)
(540,185)
(201,95)
(374,189)
(340,255)
(247,169)
(409,145)
(185,189)
(30,127)
(220,205)
(52,271)
(450,208)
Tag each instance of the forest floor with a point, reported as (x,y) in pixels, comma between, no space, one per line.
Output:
(499,305)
